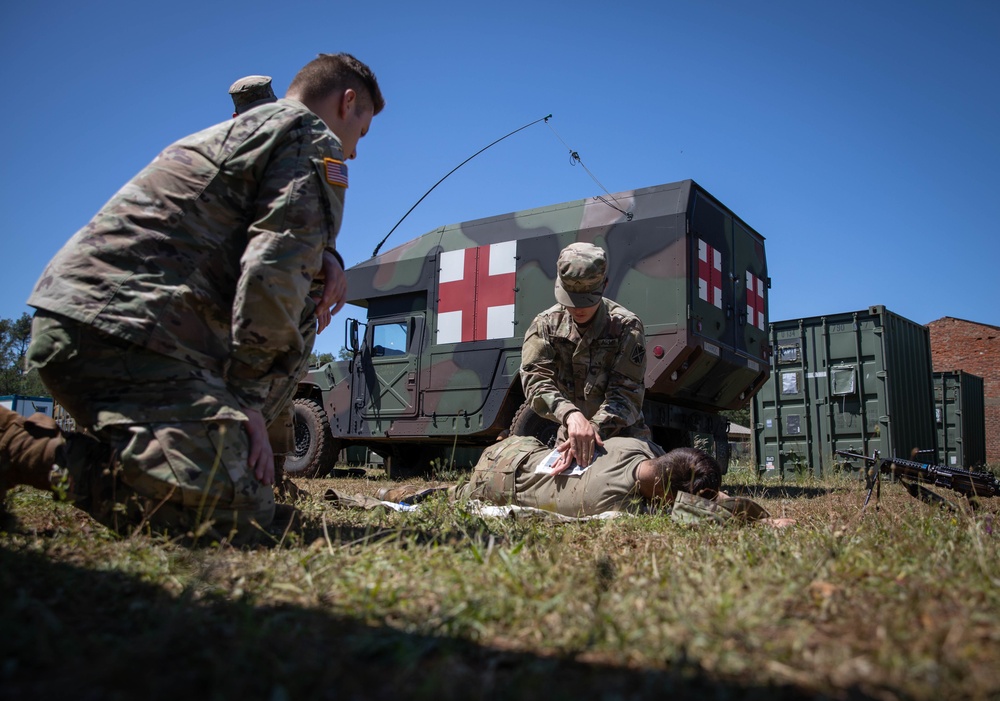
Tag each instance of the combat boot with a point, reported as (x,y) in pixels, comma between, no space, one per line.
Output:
(76,466)
(28,449)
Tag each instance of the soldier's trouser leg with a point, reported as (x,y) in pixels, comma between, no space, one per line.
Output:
(192,476)
(279,412)
(177,430)
(281,434)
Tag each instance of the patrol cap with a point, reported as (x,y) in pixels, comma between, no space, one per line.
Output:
(251,91)
(582,270)
(689,508)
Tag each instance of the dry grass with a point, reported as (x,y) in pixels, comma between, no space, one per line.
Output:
(899,603)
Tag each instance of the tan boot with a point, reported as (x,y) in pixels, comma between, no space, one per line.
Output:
(36,452)
(28,449)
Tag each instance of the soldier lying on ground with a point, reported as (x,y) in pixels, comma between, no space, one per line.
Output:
(628,474)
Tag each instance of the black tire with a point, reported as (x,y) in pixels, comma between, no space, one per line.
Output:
(315,450)
(527,423)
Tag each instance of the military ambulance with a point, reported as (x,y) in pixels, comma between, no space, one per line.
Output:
(434,373)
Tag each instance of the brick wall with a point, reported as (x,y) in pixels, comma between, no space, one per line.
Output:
(957,344)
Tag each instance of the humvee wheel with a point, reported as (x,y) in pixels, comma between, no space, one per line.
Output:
(315,450)
(527,423)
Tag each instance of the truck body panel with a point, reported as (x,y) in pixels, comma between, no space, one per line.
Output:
(447,313)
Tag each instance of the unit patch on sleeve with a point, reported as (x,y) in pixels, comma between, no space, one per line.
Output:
(336,172)
(638,354)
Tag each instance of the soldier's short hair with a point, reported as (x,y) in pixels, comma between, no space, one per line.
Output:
(582,270)
(689,470)
(250,91)
(331,72)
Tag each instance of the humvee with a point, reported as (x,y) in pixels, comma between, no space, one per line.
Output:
(433,374)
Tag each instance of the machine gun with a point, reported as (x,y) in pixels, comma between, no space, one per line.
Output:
(914,475)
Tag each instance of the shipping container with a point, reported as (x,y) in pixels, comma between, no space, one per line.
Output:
(26,406)
(858,381)
(960,416)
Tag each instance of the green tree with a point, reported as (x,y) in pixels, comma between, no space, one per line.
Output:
(15,335)
(738,416)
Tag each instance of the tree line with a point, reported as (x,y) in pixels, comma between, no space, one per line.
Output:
(15,335)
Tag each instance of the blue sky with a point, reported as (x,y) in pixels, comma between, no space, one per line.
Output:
(860,138)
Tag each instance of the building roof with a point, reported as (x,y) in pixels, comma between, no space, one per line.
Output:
(964,321)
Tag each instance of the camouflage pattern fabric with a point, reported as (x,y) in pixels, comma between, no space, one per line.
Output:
(610,483)
(689,508)
(181,446)
(208,255)
(493,478)
(599,372)
(186,299)
(582,271)
(251,91)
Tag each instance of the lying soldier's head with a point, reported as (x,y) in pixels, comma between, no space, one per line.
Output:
(682,469)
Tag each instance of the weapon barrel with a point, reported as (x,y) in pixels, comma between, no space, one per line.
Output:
(967,482)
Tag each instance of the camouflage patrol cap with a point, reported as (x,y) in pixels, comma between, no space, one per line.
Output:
(251,91)
(689,508)
(583,269)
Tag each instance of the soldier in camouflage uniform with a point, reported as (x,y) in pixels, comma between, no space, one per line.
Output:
(165,324)
(583,361)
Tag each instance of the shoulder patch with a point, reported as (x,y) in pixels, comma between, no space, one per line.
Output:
(336,172)
(638,354)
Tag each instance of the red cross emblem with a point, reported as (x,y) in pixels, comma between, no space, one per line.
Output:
(709,274)
(476,293)
(755,300)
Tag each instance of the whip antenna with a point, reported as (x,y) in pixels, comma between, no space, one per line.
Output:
(543,119)
(574,158)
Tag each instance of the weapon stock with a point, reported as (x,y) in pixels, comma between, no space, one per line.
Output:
(914,476)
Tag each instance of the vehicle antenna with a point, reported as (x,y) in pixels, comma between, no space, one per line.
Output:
(574,158)
(543,119)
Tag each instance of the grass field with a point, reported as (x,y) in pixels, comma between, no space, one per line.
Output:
(896,603)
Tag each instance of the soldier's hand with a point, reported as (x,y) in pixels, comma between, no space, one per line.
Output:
(334,291)
(582,437)
(261,460)
(565,459)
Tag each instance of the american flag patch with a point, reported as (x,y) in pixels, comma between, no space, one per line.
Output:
(336,172)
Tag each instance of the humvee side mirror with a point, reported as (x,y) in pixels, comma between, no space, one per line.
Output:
(352,335)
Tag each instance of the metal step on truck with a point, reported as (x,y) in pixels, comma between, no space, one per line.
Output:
(433,376)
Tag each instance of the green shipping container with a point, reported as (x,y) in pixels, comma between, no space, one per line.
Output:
(960,415)
(858,381)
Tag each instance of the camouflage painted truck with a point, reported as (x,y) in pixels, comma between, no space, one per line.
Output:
(434,373)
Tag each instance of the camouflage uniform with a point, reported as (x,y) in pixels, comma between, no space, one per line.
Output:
(599,369)
(187,298)
(247,92)
(505,474)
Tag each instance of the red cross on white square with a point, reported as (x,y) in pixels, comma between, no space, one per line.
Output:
(755,300)
(476,293)
(709,274)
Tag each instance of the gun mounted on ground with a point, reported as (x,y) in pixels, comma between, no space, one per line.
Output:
(914,475)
